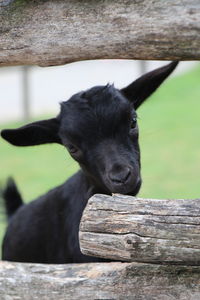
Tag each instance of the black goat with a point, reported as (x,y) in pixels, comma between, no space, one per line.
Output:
(99,129)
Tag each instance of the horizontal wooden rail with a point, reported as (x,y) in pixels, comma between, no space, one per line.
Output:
(56,32)
(129,229)
(98,281)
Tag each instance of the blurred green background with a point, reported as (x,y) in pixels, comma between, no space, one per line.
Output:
(169,125)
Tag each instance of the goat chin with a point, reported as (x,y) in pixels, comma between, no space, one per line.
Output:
(131,190)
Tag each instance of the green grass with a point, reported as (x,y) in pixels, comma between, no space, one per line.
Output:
(35,169)
(169,139)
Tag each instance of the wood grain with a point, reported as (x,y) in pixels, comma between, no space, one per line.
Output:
(129,229)
(56,32)
(98,281)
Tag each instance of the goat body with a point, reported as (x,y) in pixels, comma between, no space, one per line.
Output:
(99,129)
(46,230)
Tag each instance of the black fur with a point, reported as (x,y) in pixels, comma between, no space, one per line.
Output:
(12,198)
(99,129)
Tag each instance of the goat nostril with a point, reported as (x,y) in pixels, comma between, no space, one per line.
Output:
(120,177)
(127,175)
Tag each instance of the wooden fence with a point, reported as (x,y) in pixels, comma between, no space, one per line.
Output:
(158,239)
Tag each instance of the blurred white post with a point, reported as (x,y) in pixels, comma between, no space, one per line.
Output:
(25,92)
(143,66)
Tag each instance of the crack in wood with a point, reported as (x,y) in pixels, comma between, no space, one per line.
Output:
(128,233)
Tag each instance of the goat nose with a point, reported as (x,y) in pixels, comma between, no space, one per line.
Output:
(120,176)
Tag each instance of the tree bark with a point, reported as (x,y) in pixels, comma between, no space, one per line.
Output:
(56,32)
(141,230)
(98,281)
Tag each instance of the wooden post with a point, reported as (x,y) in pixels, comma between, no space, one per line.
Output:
(26,93)
(143,66)
(142,230)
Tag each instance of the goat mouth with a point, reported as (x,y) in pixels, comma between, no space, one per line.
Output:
(136,189)
(130,189)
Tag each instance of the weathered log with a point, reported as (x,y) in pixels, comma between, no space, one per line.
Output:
(55,32)
(98,281)
(129,229)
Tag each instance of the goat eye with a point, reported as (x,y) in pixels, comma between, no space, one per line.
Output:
(72,149)
(133,122)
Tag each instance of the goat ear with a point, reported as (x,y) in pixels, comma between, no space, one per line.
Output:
(36,133)
(144,86)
